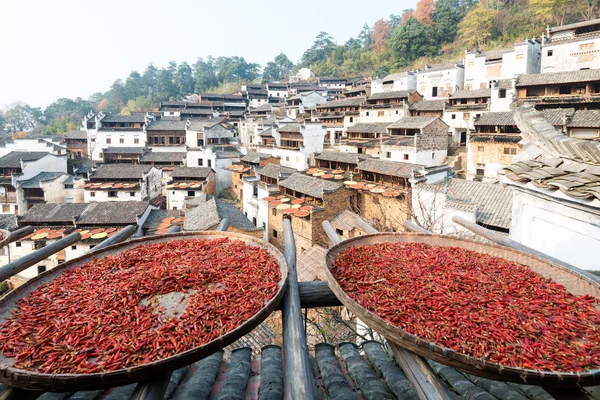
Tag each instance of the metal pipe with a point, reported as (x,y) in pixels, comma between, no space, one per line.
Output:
(224,225)
(330,232)
(16,235)
(31,259)
(298,380)
(118,238)
(411,226)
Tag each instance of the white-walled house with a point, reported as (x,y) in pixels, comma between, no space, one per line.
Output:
(336,116)
(94,221)
(388,106)
(278,89)
(123,182)
(482,68)
(416,140)
(395,82)
(45,145)
(21,166)
(188,182)
(297,104)
(465,106)
(440,81)
(105,130)
(45,187)
(571,47)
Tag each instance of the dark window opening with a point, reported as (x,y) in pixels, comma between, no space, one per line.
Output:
(565,90)
(502,93)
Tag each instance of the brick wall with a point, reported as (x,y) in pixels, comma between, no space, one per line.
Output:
(210,186)
(384,213)
(489,156)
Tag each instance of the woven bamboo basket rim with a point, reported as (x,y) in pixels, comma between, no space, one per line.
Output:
(32,380)
(573,281)
(5,237)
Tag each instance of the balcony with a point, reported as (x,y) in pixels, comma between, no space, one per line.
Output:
(10,197)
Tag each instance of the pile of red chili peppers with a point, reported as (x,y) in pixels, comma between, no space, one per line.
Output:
(92,318)
(475,304)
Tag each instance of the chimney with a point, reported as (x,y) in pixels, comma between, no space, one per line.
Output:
(564,120)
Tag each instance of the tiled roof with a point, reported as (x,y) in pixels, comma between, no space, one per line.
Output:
(493,138)
(120,171)
(428,105)
(495,119)
(78,134)
(108,212)
(273,171)
(309,185)
(413,122)
(389,95)
(8,222)
(311,264)
(123,150)
(39,178)
(347,221)
(440,67)
(555,115)
(141,118)
(342,372)
(14,158)
(348,102)
(200,126)
(471,94)
(493,202)
(165,125)
(585,119)
(555,78)
(369,127)
(254,158)
(191,172)
(163,156)
(290,128)
(156,217)
(208,211)
(396,76)
(504,83)
(337,156)
(575,25)
(391,168)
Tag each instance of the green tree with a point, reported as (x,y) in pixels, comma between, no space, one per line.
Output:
(185,79)
(20,117)
(476,28)
(447,17)
(278,69)
(411,41)
(205,74)
(150,81)
(2,121)
(551,11)
(166,87)
(320,50)
(134,85)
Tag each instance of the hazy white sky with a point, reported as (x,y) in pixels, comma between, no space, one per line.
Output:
(70,48)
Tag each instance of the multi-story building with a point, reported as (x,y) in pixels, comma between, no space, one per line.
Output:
(336,116)
(45,145)
(45,187)
(482,68)
(104,131)
(440,81)
(417,140)
(427,108)
(278,90)
(77,144)
(395,82)
(333,83)
(364,138)
(463,108)
(189,182)
(123,182)
(297,104)
(249,163)
(388,106)
(18,166)
(571,47)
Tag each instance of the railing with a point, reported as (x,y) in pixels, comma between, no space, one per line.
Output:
(8,198)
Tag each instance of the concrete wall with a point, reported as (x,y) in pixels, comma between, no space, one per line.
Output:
(571,56)
(383,115)
(97,140)
(429,208)
(447,82)
(176,197)
(49,163)
(102,195)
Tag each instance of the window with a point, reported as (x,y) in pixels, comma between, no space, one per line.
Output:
(510,151)
(274,233)
(480,172)
(287,159)
(565,90)
(405,156)
(18,244)
(5,208)
(254,221)
(209,163)
(131,194)
(274,212)
(381,113)
(41,268)
(453,116)
(388,154)
(136,141)
(108,140)
(73,247)
(434,92)
(92,194)
(519,57)
(200,162)
(339,232)
(171,140)
(480,148)
(367,113)
(432,156)
(93,140)
(466,115)
(550,53)
(121,140)
(191,193)
(68,186)
(112,193)
(351,119)
(502,93)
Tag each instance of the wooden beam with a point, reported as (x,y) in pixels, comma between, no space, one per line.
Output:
(16,235)
(411,226)
(298,381)
(31,259)
(118,238)
(423,379)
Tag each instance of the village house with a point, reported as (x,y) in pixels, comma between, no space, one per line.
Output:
(305,87)
(95,222)
(395,82)
(388,106)
(571,47)
(294,144)
(303,74)
(578,89)
(336,116)
(105,130)
(256,95)
(45,187)
(188,182)
(163,159)
(349,225)
(333,83)
(580,124)
(297,104)
(18,166)
(249,163)
(357,91)
(463,108)
(191,110)
(167,132)
(482,68)
(124,182)
(251,127)
(556,197)
(278,89)
(77,144)
(492,146)
(417,140)
(45,145)
(364,138)
(427,108)
(342,163)
(503,94)
(122,155)
(440,81)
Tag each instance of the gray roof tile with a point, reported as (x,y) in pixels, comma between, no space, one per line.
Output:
(191,172)
(14,158)
(390,168)
(163,156)
(389,95)
(412,122)
(39,178)
(309,185)
(274,171)
(369,127)
(97,213)
(120,171)
(428,105)
(496,119)
(471,94)
(556,78)
(349,158)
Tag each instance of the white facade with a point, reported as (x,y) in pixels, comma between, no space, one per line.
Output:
(502,97)
(32,145)
(207,157)
(313,134)
(176,197)
(556,227)
(440,82)
(101,139)
(571,47)
(54,192)
(148,187)
(395,82)
(408,154)
(390,115)
(49,163)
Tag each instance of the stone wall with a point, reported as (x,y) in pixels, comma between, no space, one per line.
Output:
(490,157)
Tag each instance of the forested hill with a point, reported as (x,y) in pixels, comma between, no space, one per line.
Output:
(435,31)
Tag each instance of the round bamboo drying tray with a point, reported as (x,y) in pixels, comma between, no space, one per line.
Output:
(574,282)
(74,382)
